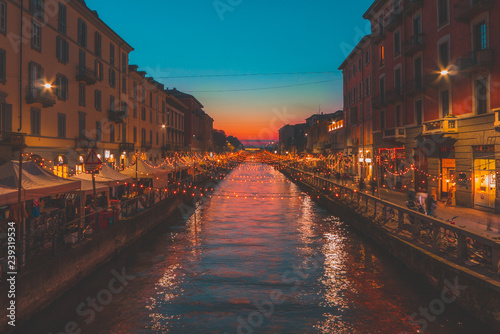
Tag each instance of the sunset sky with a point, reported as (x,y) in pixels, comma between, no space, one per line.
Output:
(194,38)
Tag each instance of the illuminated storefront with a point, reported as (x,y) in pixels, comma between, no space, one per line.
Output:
(393,167)
(61,167)
(80,167)
(484,182)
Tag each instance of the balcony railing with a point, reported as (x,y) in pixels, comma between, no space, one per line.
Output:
(415,87)
(413,5)
(12,139)
(116,116)
(466,10)
(378,35)
(395,21)
(86,75)
(146,145)
(40,95)
(395,133)
(447,125)
(414,44)
(352,142)
(477,60)
(83,142)
(394,95)
(127,147)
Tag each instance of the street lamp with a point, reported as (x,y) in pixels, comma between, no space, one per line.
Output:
(48,86)
(444,72)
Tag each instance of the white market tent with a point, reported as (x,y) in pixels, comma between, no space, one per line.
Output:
(106,175)
(158,175)
(88,188)
(36,183)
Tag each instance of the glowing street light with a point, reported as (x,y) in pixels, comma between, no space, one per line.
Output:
(444,72)
(48,86)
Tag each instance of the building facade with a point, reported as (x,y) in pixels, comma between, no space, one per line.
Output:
(357,75)
(435,75)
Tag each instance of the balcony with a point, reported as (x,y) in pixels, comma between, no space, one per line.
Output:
(394,21)
(415,87)
(394,95)
(352,142)
(378,35)
(378,101)
(85,74)
(85,143)
(127,147)
(396,134)
(476,61)
(12,139)
(497,120)
(411,6)
(445,126)
(116,116)
(413,45)
(466,10)
(146,145)
(40,95)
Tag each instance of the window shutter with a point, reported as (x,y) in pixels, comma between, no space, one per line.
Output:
(67,51)
(58,48)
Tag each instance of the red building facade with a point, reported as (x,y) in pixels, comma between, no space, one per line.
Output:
(435,77)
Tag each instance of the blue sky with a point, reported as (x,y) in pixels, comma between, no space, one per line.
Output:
(192,38)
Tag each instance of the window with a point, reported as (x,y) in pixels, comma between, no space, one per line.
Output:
(354,115)
(443,12)
(112,77)
(368,85)
(37,7)
(444,99)
(418,111)
(82,60)
(157,118)
(5,117)
(397,81)
(98,131)
(98,100)
(62,18)
(354,70)
(382,120)
(481,96)
(62,87)
(81,94)
(3,67)
(124,62)
(61,125)
(367,57)
(35,121)
(82,33)
(112,54)
(360,63)
(157,139)
(99,74)
(62,50)
(143,114)
(134,110)
(111,102)
(134,90)
(382,89)
(35,73)
(382,55)
(124,133)
(397,43)
(157,103)
(143,94)
(368,105)
(3,17)
(98,44)
(143,136)
(150,116)
(398,116)
(417,29)
(480,36)
(82,125)
(150,137)
(112,133)
(151,99)
(124,84)
(444,59)
(417,63)
(36,36)
(135,134)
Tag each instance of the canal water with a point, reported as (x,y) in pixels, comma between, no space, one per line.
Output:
(259,257)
